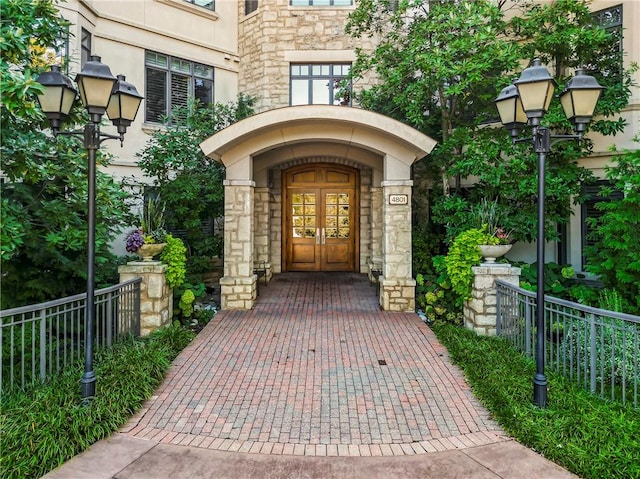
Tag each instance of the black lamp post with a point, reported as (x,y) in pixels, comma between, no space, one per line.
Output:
(100,92)
(527,101)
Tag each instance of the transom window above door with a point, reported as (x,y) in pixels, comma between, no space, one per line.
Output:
(320,84)
(171,82)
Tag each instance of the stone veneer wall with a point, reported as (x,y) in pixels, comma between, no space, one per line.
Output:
(480,311)
(365,218)
(238,286)
(275,28)
(262,234)
(156,297)
(397,286)
(275,220)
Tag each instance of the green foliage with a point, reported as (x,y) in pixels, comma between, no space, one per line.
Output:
(48,425)
(152,220)
(44,197)
(591,437)
(425,245)
(615,257)
(186,303)
(441,64)
(174,255)
(464,254)
(435,296)
(190,183)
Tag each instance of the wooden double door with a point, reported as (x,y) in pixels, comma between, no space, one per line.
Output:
(320,221)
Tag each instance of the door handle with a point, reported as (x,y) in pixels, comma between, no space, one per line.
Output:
(323,237)
(317,235)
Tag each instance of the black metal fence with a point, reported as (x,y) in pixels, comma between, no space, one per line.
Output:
(40,340)
(595,347)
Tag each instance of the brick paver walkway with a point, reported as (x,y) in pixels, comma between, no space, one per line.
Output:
(316,369)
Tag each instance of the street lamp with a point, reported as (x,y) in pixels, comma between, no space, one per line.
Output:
(527,101)
(100,92)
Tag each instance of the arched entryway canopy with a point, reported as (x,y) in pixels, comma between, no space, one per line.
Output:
(255,149)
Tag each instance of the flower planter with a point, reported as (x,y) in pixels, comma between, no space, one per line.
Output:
(490,252)
(148,250)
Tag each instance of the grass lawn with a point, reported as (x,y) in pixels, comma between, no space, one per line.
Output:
(48,425)
(591,437)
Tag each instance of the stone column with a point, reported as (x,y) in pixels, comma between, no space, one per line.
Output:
(262,236)
(480,311)
(238,286)
(397,286)
(156,297)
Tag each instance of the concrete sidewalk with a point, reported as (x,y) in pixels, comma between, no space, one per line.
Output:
(315,381)
(126,457)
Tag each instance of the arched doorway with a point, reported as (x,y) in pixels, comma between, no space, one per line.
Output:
(320,220)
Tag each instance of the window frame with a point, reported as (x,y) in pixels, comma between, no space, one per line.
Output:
(212,3)
(168,72)
(588,210)
(250,6)
(331,76)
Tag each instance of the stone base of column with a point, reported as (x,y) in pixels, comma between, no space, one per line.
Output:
(156,297)
(480,311)
(238,292)
(397,294)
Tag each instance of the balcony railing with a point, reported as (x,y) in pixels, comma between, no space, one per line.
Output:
(39,341)
(595,347)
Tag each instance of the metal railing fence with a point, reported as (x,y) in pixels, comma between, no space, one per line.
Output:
(40,340)
(597,348)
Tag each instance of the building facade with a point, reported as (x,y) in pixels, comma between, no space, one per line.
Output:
(312,185)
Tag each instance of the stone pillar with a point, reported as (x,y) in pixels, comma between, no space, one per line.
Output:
(238,287)
(480,311)
(262,236)
(156,297)
(397,286)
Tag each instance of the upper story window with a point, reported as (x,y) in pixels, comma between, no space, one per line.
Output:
(250,6)
(209,4)
(590,212)
(321,3)
(171,81)
(320,84)
(85,46)
(611,20)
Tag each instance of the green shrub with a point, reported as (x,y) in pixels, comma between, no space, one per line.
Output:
(47,425)
(591,437)
(464,254)
(174,255)
(435,296)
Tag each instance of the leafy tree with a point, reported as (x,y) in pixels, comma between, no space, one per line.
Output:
(440,63)
(190,183)
(616,255)
(44,226)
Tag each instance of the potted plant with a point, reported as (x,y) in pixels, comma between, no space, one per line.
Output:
(498,240)
(150,238)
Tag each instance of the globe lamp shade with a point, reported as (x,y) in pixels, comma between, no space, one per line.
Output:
(579,99)
(124,103)
(95,83)
(58,96)
(512,114)
(535,88)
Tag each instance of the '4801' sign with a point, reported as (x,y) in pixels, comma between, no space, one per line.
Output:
(398,199)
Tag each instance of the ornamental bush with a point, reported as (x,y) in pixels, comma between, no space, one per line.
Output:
(174,255)
(464,254)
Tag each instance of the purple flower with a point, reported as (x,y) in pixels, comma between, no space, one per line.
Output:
(134,241)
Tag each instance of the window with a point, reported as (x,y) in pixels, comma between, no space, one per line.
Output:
(590,211)
(321,3)
(171,81)
(611,20)
(250,6)
(209,4)
(320,84)
(85,47)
